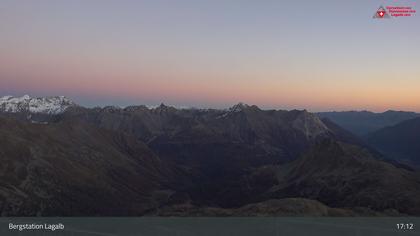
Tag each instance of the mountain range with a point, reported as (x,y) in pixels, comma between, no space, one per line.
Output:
(399,142)
(27,104)
(363,123)
(164,161)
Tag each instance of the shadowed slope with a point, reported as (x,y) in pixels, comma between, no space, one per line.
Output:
(70,168)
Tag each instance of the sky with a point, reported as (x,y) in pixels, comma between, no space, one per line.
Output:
(314,55)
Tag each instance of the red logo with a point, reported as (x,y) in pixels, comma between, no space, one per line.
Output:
(381,13)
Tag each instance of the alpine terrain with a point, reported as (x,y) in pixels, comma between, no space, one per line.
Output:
(61,159)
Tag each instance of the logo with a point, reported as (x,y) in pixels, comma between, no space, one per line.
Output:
(381,13)
(394,11)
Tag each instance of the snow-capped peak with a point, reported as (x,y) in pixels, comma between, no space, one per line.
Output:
(45,105)
(242,107)
(239,107)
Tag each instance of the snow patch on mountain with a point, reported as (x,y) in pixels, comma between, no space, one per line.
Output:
(44,105)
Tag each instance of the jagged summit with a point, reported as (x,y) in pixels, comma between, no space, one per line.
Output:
(162,108)
(26,103)
(241,107)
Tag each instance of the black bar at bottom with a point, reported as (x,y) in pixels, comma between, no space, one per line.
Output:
(203,226)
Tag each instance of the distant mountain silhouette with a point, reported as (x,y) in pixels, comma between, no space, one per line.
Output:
(362,123)
(399,142)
